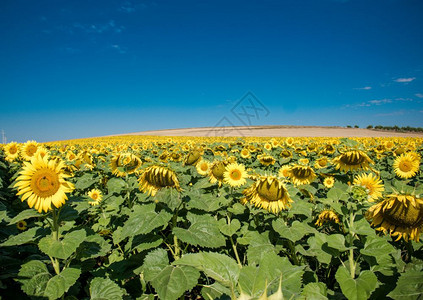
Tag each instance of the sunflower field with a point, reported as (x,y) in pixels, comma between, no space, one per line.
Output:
(143,217)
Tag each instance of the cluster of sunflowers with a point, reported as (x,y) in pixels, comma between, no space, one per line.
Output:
(264,169)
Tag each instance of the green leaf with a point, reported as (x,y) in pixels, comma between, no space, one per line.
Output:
(60,284)
(295,232)
(362,227)
(336,241)
(259,246)
(34,277)
(142,221)
(115,185)
(315,291)
(105,289)
(144,242)
(359,288)
(154,263)
(62,248)
(25,237)
(206,202)
(220,267)
(26,214)
(409,286)
(229,229)
(93,246)
(85,181)
(204,231)
(173,281)
(170,197)
(316,243)
(215,291)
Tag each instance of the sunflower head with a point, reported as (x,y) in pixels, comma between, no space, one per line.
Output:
(352,160)
(284,171)
(399,215)
(28,149)
(266,160)
(11,151)
(300,174)
(95,197)
(193,157)
(217,170)
(286,153)
(327,215)
(269,193)
(235,175)
(125,163)
(329,182)
(154,178)
(42,183)
(245,153)
(407,165)
(203,167)
(371,183)
(321,163)
(21,225)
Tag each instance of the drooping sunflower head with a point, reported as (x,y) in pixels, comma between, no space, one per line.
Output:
(176,156)
(154,178)
(327,215)
(371,183)
(300,174)
(321,163)
(42,183)
(96,197)
(11,151)
(266,160)
(193,157)
(352,160)
(28,149)
(217,170)
(400,216)
(407,165)
(286,153)
(203,167)
(269,193)
(235,175)
(125,163)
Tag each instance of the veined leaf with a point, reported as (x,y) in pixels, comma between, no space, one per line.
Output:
(62,248)
(105,289)
(60,284)
(358,288)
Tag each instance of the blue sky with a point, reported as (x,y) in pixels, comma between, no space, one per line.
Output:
(81,68)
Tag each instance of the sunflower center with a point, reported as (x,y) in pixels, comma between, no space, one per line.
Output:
(271,192)
(235,175)
(45,183)
(94,196)
(31,150)
(204,167)
(13,150)
(352,159)
(405,166)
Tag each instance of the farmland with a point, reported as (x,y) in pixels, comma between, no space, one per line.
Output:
(156,217)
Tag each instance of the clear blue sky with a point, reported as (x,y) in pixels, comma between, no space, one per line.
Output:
(81,68)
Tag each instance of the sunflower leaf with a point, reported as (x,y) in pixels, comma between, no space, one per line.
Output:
(409,286)
(359,288)
(104,288)
(60,284)
(25,237)
(85,181)
(295,232)
(116,185)
(62,248)
(26,214)
(34,277)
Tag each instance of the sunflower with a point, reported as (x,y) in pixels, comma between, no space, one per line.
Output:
(42,183)
(125,163)
(399,215)
(96,196)
(156,177)
(235,175)
(327,215)
(266,160)
(21,225)
(407,165)
(28,149)
(301,174)
(267,146)
(12,151)
(286,153)
(245,153)
(193,157)
(217,170)
(269,193)
(203,167)
(371,183)
(329,182)
(284,171)
(321,163)
(352,160)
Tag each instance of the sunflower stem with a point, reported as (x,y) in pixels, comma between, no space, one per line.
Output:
(293,253)
(55,236)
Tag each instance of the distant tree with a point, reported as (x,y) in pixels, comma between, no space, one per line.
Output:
(356,126)
(348,126)
(369,126)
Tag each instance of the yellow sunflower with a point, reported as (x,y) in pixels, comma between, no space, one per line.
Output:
(321,163)
(284,171)
(352,160)
(266,160)
(12,151)
(371,183)
(21,225)
(125,163)
(96,197)
(28,149)
(407,165)
(216,171)
(193,157)
(42,183)
(301,174)
(286,153)
(329,182)
(399,215)
(327,215)
(154,178)
(203,167)
(269,193)
(235,175)
(245,153)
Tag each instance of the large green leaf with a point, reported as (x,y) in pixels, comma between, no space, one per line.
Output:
(105,289)
(85,181)
(154,263)
(62,248)
(295,232)
(259,246)
(170,197)
(316,243)
(115,185)
(34,277)
(25,237)
(60,284)
(206,202)
(409,286)
(356,288)
(231,228)
(220,267)
(204,231)
(93,246)
(25,214)
(142,220)
(315,291)
(173,281)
